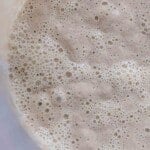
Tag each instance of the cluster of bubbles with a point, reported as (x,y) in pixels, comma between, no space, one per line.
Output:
(80,71)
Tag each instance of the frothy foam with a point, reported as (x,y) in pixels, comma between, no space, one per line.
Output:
(80,71)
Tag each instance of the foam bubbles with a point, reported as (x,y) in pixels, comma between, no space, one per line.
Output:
(80,73)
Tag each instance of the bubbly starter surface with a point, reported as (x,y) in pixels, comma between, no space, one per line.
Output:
(80,73)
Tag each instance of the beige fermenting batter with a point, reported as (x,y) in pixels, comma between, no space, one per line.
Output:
(80,73)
